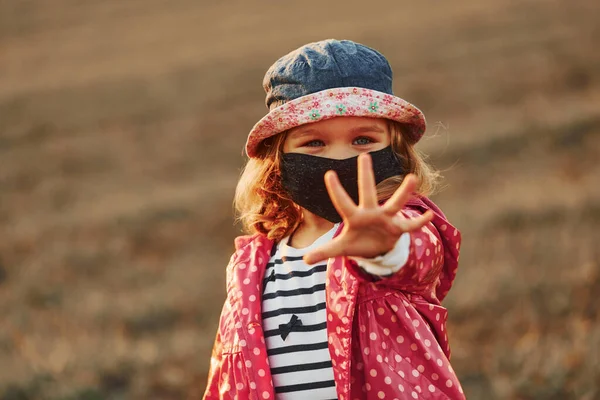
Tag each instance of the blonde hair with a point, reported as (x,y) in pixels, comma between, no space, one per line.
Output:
(264,207)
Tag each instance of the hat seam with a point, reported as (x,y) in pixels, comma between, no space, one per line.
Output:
(337,66)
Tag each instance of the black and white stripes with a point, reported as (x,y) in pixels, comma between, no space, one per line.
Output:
(294,323)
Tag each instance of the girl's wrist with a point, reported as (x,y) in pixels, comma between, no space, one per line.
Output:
(390,262)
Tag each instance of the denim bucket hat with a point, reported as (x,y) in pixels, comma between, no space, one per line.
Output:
(328,79)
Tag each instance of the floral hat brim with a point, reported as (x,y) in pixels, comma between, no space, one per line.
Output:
(337,102)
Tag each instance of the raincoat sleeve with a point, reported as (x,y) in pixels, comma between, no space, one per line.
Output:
(418,256)
(212,385)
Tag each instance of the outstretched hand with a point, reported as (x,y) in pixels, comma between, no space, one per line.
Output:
(369,229)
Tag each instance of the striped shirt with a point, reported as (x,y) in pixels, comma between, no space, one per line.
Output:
(295,320)
(295,323)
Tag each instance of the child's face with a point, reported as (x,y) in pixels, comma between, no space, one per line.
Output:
(339,138)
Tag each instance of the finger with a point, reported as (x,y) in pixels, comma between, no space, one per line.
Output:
(340,199)
(334,248)
(401,195)
(367,194)
(411,224)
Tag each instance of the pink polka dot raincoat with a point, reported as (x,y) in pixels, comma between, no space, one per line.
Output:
(387,337)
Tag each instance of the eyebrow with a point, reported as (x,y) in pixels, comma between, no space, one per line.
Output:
(356,130)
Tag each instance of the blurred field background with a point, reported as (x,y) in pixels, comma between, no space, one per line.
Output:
(122,124)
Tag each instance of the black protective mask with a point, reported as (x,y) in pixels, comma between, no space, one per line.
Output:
(302,176)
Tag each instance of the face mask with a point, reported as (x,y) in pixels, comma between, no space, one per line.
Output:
(302,176)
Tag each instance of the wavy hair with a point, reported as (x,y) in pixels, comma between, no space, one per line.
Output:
(264,207)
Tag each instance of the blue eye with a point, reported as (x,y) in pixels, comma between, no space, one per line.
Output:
(314,143)
(361,141)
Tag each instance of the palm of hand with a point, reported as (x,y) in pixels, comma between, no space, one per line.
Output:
(369,229)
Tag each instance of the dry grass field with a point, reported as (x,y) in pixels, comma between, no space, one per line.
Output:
(122,124)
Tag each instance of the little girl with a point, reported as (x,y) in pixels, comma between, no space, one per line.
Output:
(336,293)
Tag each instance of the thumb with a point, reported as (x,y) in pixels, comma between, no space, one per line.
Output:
(332,249)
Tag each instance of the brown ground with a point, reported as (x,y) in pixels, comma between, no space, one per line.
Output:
(121,128)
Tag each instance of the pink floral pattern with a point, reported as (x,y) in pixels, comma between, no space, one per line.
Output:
(332,103)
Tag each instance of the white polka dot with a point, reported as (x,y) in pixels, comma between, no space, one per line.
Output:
(386,331)
(245,311)
(373,373)
(427,252)
(239,365)
(379,358)
(388,380)
(427,342)
(337,273)
(329,318)
(449,383)
(415,373)
(380,311)
(415,323)
(437,316)
(256,351)
(243,343)
(397,358)
(413,347)
(373,336)
(363,328)
(367,351)
(248,363)
(381,395)
(418,242)
(427,356)
(266,395)
(440,362)
(251,331)
(414,395)
(418,388)
(400,339)
(242,266)
(368,386)
(338,307)
(431,388)
(384,345)
(434,376)
(254,268)
(394,307)
(252,298)
(246,281)
(421,368)
(444,227)
(261,372)
(252,385)
(401,388)
(401,373)
(417,336)
(345,321)
(239,386)
(394,319)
